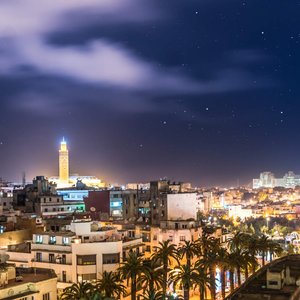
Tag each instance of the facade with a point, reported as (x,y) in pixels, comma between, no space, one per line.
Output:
(81,253)
(237,211)
(177,206)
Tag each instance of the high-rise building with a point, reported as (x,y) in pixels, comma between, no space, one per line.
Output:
(63,162)
(268,180)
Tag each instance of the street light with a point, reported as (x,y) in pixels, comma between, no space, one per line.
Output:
(268,219)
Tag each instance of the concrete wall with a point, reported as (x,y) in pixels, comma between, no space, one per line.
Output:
(182,206)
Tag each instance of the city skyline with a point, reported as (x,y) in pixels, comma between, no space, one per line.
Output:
(195,91)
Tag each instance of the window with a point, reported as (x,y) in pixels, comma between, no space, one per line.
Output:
(38,256)
(64,276)
(39,239)
(57,199)
(46,209)
(54,209)
(52,240)
(65,240)
(182,238)
(86,277)
(112,258)
(155,237)
(51,258)
(46,296)
(184,226)
(171,238)
(63,259)
(4,203)
(86,259)
(273,283)
(162,213)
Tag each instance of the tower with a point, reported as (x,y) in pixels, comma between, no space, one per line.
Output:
(63,162)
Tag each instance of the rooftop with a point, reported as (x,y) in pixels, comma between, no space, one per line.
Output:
(256,286)
(27,275)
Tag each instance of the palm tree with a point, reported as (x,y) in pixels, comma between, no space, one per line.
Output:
(210,247)
(186,277)
(223,264)
(152,277)
(274,248)
(79,291)
(153,295)
(164,253)
(262,245)
(251,246)
(131,270)
(189,250)
(110,285)
(202,279)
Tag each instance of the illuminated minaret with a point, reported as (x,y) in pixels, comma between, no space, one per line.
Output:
(63,162)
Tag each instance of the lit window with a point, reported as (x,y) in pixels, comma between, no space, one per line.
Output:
(39,239)
(52,239)
(65,240)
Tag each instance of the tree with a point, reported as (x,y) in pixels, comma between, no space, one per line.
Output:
(164,253)
(152,295)
(151,279)
(209,249)
(185,276)
(131,270)
(110,285)
(189,250)
(79,291)
(223,263)
(202,279)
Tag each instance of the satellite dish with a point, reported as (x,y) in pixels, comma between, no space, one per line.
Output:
(93,209)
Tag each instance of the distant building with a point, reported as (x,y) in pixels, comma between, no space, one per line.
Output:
(268,180)
(63,163)
(64,179)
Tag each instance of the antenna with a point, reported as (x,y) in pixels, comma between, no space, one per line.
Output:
(23,179)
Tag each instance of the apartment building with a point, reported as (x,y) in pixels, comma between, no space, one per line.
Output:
(82,252)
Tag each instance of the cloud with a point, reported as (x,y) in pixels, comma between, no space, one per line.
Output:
(100,62)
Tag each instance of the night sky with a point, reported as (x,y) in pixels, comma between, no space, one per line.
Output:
(204,91)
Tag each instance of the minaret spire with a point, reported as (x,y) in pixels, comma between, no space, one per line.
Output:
(63,162)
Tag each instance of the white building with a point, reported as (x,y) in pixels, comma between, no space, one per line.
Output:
(27,283)
(237,211)
(268,180)
(79,254)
